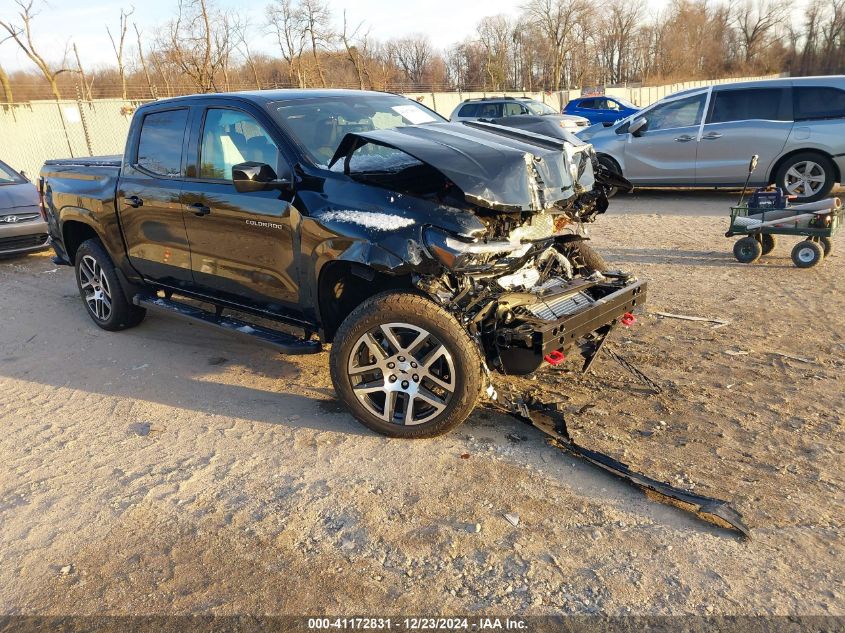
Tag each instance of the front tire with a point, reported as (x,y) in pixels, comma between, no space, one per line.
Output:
(747,250)
(807,254)
(808,175)
(101,290)
(405,367)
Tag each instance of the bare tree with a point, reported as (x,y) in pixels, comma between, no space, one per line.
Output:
(557,20)
(21,33)
(355,51)
(199,50)
(413,55)
(317,16)
(289,25)
(86,86)
(6,85)
(118,47)
(756,22)
(495,35)
(241,33)
(143,60)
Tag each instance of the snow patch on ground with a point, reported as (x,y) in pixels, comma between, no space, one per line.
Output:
(371,220)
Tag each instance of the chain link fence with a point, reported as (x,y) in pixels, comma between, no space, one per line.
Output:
(33,132)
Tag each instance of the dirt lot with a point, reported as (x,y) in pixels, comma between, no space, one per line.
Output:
(169,469)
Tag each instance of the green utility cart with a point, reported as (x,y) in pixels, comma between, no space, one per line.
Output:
(761,228)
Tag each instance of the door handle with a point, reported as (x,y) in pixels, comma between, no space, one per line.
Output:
(199,209)
(712,135)
(133,201)
(685,138)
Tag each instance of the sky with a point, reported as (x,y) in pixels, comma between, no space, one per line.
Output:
(61,22)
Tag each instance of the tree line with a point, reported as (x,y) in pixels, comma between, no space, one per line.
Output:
(550,45)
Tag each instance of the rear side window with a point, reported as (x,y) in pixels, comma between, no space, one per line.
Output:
(489,110)
(160,143)
(767,104)
(470,109)
(588,103)
(818,103)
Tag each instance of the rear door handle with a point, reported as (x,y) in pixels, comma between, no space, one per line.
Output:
(685,138)
(199,209)
(712,135)
(133,201)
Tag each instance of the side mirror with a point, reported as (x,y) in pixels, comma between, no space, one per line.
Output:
(638,126)
(254,176)
(25,177)
(753,164)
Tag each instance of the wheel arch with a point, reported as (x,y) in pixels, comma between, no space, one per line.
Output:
(75,231)
(344,285)
(805,150)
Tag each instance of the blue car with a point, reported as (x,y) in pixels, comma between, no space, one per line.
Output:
(606,110)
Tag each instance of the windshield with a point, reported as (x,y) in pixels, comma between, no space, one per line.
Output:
(625,103)
(539,108)
(319,124)
(9,176)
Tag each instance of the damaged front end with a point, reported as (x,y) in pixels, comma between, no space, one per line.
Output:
(524,283)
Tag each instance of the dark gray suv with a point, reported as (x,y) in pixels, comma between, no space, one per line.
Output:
(704,137)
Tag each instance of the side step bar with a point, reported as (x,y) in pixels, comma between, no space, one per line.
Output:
(280,341)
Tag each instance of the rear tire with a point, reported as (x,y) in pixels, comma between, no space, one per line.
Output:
(747,250)
(768,242)
(808,175)
(378,366)
(807,254)
(101,291)
(827,245)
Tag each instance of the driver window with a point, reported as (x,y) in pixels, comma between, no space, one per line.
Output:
(230,137)
(514,109)
(612,105)
(681,113)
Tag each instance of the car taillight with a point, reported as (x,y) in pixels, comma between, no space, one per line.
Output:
(41,206)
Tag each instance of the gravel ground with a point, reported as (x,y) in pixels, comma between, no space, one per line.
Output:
(172,470)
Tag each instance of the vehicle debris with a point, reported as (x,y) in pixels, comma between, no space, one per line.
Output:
(550,420)
(800,359)
(511,518)
(686,317)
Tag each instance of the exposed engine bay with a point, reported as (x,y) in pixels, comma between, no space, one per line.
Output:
(525,284)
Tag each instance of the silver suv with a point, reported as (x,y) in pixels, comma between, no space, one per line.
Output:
(492,108)
(704,137)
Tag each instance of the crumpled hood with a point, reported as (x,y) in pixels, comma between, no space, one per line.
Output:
(14,196)
(499,168)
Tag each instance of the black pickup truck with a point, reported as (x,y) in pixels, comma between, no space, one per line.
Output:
(425,251)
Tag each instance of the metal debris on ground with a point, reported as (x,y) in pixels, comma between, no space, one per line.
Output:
(550,420)
(736,352)
(685,317)
(639,375)
(800,359)
(511,518)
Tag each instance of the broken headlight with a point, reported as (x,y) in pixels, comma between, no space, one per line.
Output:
(455,253)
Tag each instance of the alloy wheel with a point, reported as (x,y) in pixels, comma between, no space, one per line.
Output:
(402,373)
(804,178)
(95,288)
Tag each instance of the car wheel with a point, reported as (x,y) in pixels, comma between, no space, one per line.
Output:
(590,259)
(768,243)
(747,250)
(807,254)
(610,165)
(807,175)
(101,290)
(405,367)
